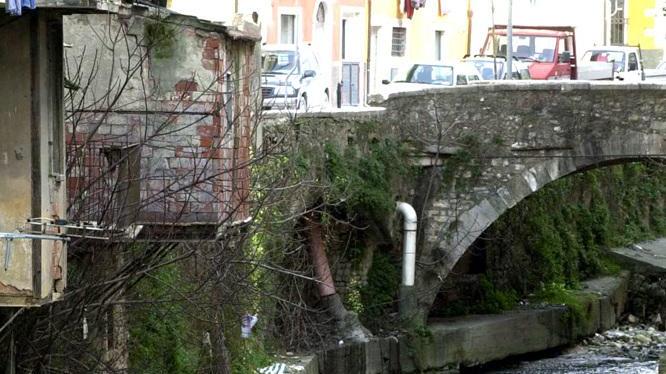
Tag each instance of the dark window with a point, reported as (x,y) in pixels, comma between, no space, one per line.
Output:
(632,62)
(439,35)
(321,13)
(399,41)
(287,29)
(344,38)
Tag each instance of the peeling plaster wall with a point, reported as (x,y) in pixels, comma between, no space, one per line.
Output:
(29,120)
(175,110)
(15,119)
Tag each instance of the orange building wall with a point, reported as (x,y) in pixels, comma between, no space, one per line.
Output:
(307,20)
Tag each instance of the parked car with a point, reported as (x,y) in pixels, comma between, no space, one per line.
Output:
(291,78)
(494,67)
(424,75)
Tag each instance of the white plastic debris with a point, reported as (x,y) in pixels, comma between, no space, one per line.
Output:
(84,327)
(247,323)
(273,369)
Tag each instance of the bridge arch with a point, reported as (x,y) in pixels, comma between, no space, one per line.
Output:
(552,131)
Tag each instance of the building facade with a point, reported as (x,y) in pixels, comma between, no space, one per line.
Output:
(643,23)
(32,152)
(597,22)
(336,30)
(436,31)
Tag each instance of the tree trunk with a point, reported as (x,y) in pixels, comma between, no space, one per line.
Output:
(221,360)
(117,329)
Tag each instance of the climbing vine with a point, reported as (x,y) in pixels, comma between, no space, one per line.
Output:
(160,37)
(559,236)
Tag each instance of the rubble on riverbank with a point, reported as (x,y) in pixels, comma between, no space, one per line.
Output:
(638,342)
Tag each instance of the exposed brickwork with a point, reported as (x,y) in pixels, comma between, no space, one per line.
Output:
(194,162)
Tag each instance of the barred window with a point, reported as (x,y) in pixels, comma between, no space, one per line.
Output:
(618,24)
(399,41)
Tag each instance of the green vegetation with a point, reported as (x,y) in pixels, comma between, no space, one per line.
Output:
(381,289)
(559,294)
(558,237)
(248,355)
(162,337)
(563,230)
(489,299)
(159,37)
(362,180)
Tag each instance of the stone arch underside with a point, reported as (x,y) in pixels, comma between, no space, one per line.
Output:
(450,236)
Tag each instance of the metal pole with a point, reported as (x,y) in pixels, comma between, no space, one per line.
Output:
(469,27)
(509,43)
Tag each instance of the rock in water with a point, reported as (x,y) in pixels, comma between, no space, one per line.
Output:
(642,339)
(632,318)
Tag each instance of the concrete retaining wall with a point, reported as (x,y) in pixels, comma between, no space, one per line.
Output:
(473,340)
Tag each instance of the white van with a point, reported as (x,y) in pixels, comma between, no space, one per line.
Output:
(494,67)
(292,79)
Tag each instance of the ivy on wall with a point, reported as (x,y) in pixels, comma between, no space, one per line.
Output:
(559,236)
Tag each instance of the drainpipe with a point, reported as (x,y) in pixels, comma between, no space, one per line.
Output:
(407,294)
(509,43)
(368,52)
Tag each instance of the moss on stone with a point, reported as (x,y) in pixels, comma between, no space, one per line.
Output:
(559,235)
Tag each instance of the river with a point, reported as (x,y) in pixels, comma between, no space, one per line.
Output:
(626,350)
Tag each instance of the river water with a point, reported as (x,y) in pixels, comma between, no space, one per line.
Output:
(626,350)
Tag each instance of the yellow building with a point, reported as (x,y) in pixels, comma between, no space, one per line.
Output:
(643,24)
(437,31)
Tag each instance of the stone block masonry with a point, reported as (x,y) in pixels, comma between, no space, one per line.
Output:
(497,144)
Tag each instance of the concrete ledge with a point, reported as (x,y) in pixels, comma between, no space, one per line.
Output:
(375,356)
(644,257)
(354,114)
(473,340)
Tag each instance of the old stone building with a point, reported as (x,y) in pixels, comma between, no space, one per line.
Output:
(161,115)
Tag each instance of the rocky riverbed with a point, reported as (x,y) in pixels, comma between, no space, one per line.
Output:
(629,349)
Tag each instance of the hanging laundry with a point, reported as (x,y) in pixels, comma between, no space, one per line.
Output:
(14,7)
(418,4)
(409,8)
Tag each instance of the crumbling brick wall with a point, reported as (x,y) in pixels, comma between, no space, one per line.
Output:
(183,105)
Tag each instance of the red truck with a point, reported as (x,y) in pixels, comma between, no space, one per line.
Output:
(550,51)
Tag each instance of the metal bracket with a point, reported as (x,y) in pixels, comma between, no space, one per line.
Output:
(8,238)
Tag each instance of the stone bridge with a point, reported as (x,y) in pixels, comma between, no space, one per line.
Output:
(489,147)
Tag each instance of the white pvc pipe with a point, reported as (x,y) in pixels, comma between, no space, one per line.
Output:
(409,243)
